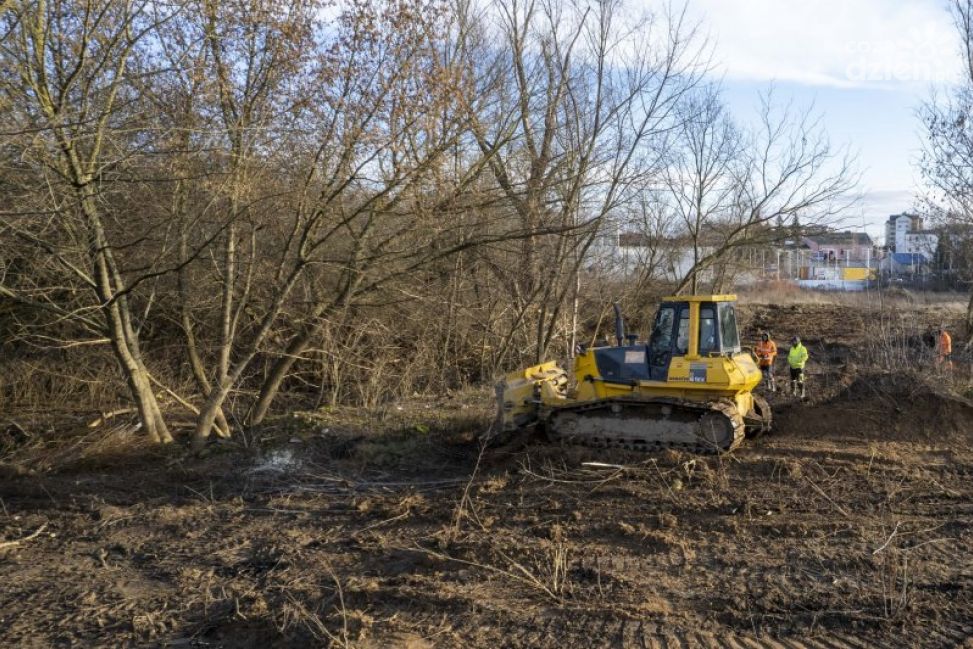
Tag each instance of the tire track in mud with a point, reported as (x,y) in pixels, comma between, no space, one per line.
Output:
(945,551)
(600,632)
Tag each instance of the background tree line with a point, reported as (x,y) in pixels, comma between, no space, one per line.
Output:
(216,208)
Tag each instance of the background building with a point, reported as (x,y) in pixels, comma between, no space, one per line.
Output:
(905,235)
(840,246)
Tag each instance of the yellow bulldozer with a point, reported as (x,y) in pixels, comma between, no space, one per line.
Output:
(689,386)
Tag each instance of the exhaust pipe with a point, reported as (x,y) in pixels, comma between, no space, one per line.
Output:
(619,325)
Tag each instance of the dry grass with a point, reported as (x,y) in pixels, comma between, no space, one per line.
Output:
(787,294)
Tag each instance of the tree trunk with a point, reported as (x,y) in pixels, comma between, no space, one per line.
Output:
(695,275)
(195,362)
(137,378)
(281,368)
(206,421)
(124,338)
(207,415)
(292,353)
(969,321)
(148,408)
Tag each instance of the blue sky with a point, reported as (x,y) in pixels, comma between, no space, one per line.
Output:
(865,65)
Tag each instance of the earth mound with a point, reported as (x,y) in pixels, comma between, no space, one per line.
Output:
(884,406)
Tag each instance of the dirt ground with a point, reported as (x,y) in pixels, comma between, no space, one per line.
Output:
(850,526)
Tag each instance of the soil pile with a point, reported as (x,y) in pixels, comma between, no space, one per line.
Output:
(903,408)
(913,406)
(815,323)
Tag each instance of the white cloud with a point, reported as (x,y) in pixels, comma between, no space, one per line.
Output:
(840,43)
(878,205)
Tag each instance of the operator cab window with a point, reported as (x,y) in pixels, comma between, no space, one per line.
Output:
(682,335)
(728,328)
(662,332)
(661,342)
(708,341)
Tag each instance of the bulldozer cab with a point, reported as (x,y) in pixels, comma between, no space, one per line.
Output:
(692,327)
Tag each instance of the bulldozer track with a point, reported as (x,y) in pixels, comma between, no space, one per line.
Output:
(765,413)
(946,552)
(607,632)
(704,409)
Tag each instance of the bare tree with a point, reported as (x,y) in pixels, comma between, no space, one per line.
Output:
(701,174)
(784,167)
(70,113)
(258,56)
(576,97)
(372,206)
(947,161)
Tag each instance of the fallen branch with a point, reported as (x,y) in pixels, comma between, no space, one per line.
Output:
(382,522)
(220,432)
(527,578)
(930,541)
(840,509)
(34,535)
(888,540)
(109,415)
(464,500)
(23,434)
(172,393)
(557,480)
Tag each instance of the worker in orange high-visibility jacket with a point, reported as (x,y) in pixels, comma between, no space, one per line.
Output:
(944,348)
(766,351)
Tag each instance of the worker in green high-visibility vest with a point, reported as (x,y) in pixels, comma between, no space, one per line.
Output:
(797,358)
